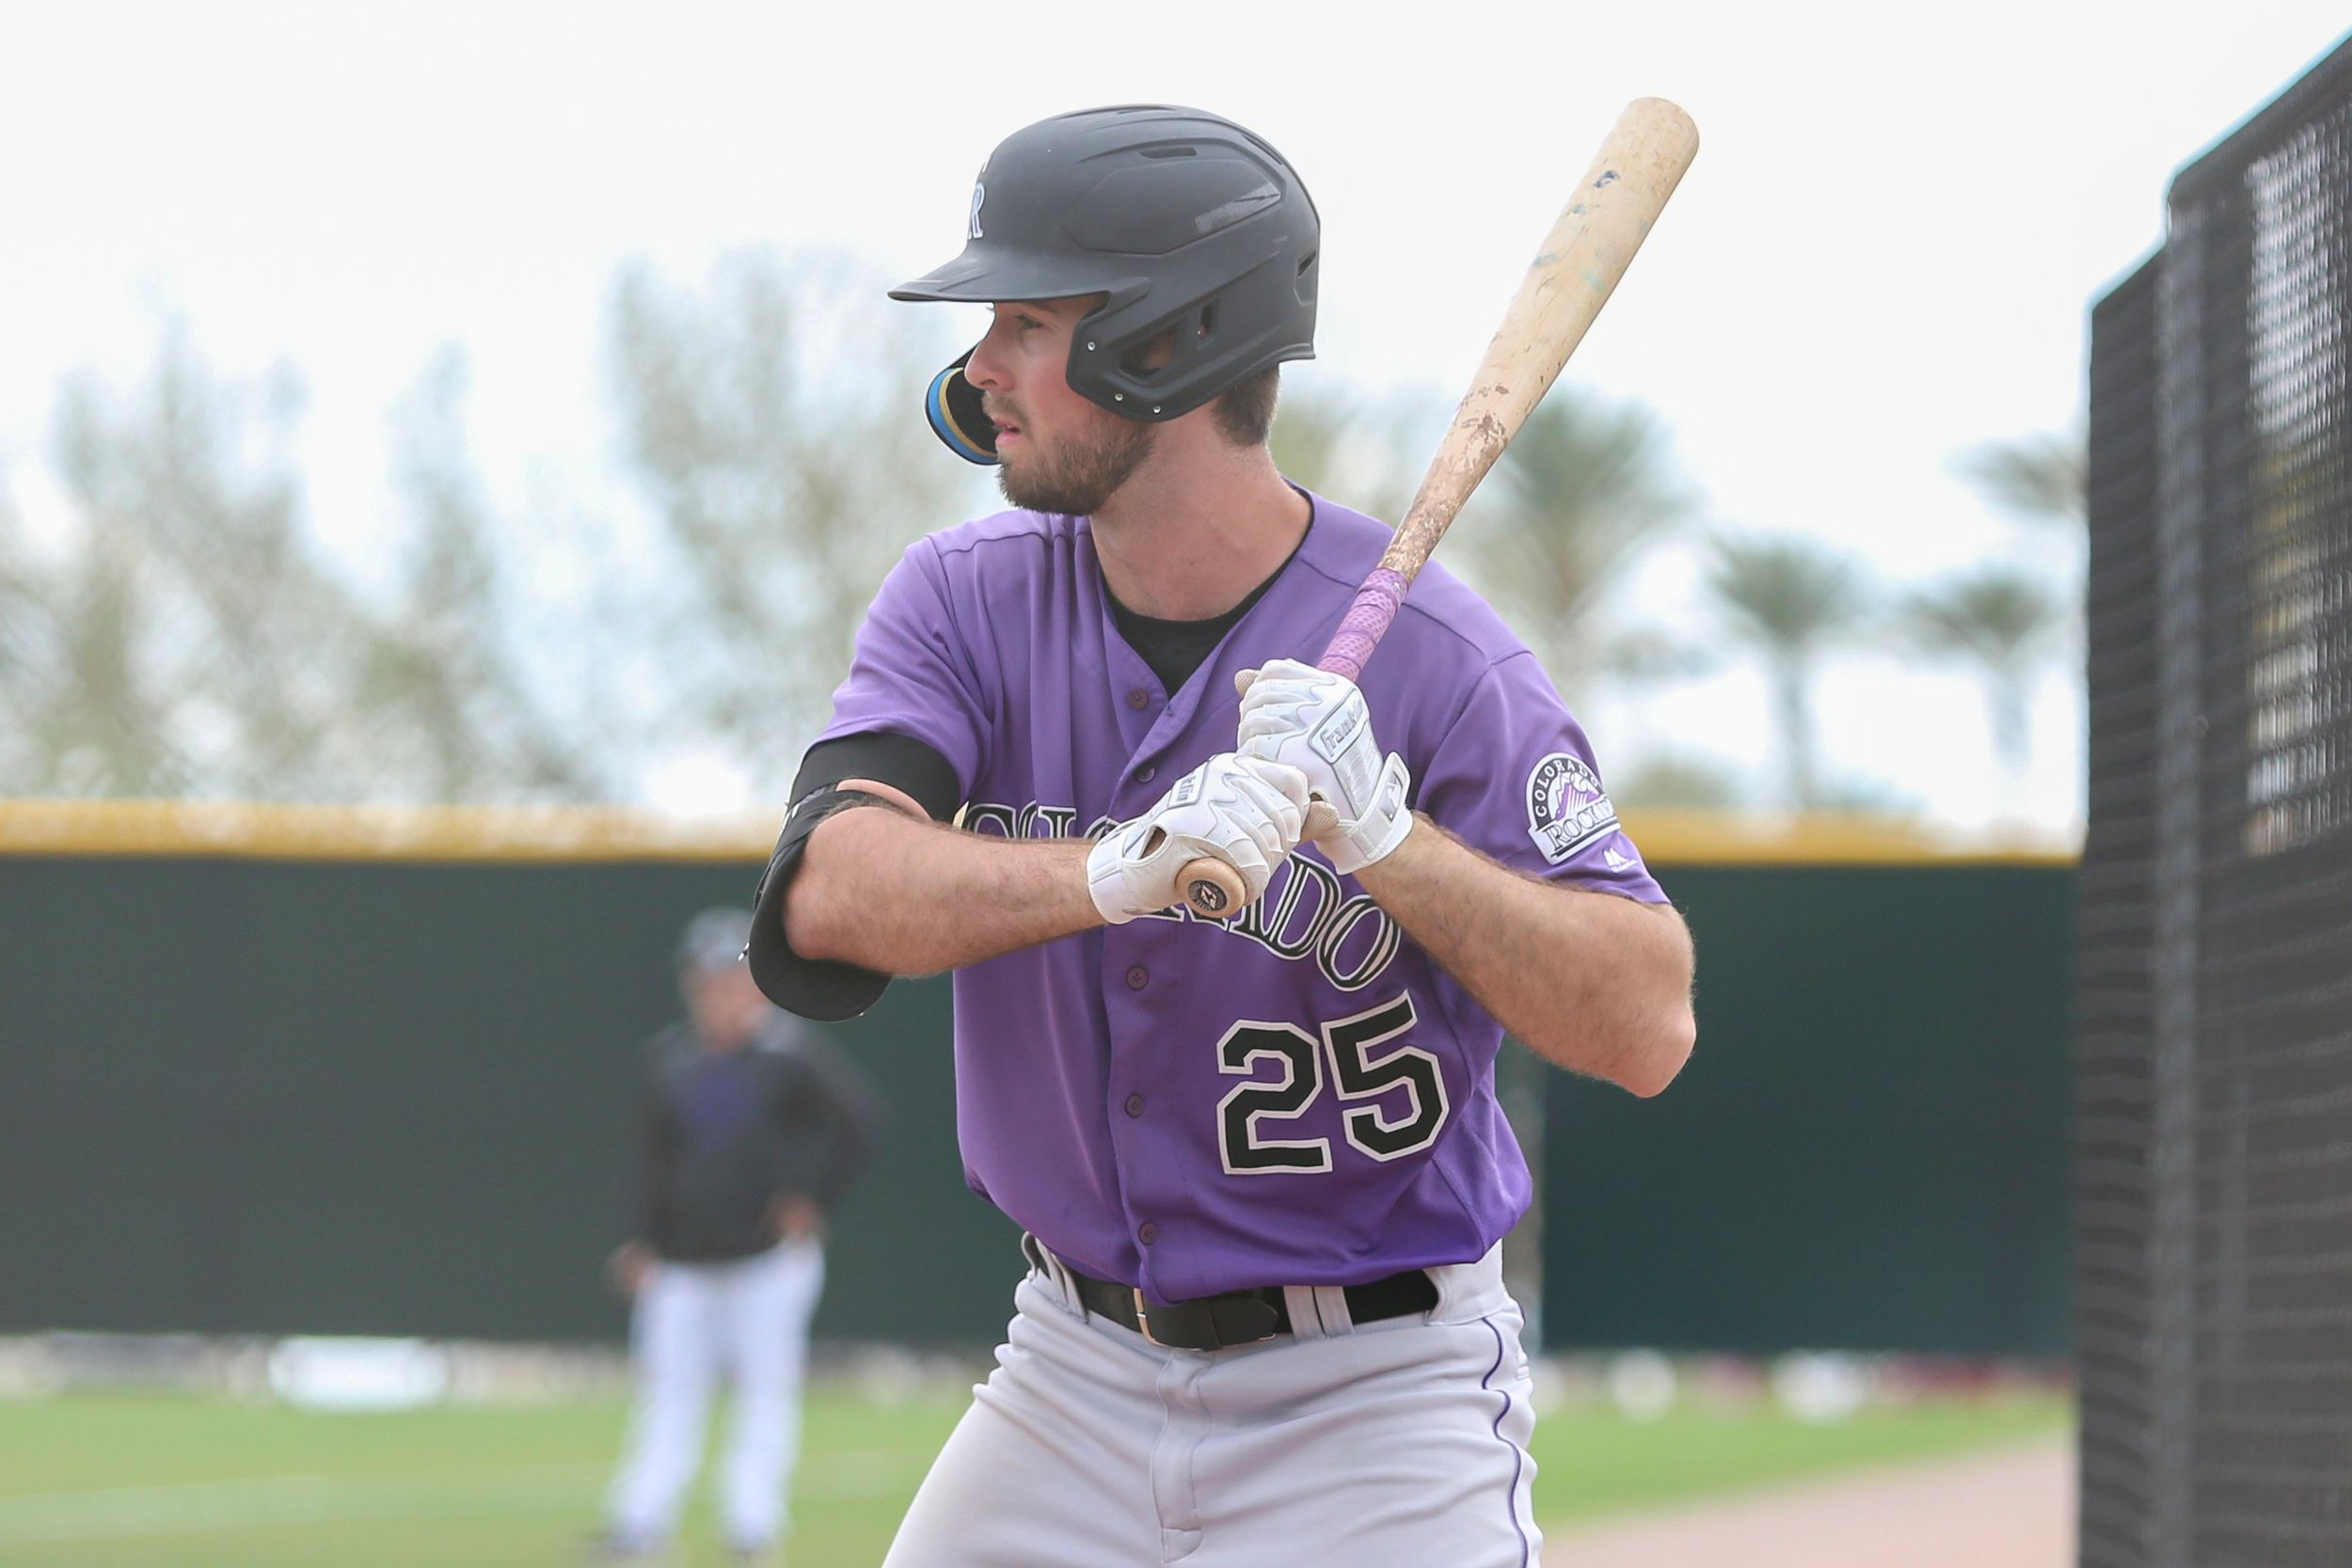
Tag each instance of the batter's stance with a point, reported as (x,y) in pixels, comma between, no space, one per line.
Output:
(1261,1163)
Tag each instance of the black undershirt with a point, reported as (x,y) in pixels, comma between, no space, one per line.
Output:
(1174,649)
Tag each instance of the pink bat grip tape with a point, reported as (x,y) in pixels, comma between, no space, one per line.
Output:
(1360,631)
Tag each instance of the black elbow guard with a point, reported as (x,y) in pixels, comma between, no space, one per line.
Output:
(822,989)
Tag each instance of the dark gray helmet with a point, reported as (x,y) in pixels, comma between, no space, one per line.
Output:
(1189,224)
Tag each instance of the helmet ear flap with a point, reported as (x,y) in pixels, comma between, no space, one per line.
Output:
(953,407)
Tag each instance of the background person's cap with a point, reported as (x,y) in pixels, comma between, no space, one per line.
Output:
(714,939)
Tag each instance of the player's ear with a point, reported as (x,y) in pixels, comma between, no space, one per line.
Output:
(1154,356)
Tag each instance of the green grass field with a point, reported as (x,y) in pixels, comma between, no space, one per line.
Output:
(153,1480)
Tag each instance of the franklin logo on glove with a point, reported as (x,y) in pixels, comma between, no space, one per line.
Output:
(1318,722)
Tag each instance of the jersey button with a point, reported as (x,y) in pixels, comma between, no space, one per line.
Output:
(1138,977)
(1137,697)
(1146,773)
(1147,1233)
(1135,1105)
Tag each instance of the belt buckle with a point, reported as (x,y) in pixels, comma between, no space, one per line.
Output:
(1143,1318)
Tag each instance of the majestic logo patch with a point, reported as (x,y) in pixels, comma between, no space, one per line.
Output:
(1566,808)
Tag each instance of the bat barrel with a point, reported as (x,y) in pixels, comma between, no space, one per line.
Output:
(1575,269)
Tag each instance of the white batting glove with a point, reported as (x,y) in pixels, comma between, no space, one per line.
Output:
(1242,811)
(1317,723)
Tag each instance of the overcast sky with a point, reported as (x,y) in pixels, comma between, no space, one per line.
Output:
(1884,254)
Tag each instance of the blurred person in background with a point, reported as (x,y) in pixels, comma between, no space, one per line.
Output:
(753,1127)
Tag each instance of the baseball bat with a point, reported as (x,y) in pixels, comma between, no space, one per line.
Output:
(1574,272)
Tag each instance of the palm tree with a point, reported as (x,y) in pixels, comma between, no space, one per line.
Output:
(1586,486)
(2005,621)
(1787,600)
(1582,488)
(2042,478)
(2010,623)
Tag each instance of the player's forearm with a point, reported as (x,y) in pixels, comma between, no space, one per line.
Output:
(1593,982)
(888,892)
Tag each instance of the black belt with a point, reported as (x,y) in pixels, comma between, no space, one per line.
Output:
(1241,1317)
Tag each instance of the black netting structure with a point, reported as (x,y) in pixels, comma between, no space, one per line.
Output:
(2213,1263)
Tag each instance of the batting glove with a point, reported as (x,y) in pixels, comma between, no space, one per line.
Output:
(1317,723)
(1243,811)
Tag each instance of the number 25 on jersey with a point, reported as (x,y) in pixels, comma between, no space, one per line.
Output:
(1403,1090)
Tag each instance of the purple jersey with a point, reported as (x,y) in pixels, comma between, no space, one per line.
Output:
(1301,1097)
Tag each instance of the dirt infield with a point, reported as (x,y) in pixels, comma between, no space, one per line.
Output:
(2014,1508)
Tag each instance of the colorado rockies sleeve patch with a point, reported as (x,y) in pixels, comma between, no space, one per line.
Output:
(1566,808)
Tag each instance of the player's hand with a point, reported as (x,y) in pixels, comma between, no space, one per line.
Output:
(1243,811)
(1317,723)
(631,1264)
(796,1218)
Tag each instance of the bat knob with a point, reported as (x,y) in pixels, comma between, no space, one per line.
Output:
(1212,890)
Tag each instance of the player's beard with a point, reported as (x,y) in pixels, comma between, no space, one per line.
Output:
(1081,473)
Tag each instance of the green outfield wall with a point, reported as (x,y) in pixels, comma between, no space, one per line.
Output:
(1869,1148)
(269,1071)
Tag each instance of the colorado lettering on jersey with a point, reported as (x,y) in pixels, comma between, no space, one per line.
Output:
(1305,915)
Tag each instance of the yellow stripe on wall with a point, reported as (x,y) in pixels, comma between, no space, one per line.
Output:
(243,830)
(233,830)
(1728,839)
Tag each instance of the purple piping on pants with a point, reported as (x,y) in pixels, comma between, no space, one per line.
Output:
(1517,1459)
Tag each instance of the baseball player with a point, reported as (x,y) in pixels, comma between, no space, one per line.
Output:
(753,1128)
(1259,1163)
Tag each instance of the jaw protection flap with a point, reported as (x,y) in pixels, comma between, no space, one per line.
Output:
(953,407)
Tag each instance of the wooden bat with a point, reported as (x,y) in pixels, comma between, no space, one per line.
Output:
(1573,273)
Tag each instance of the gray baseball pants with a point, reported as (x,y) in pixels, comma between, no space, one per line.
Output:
(1402,1443)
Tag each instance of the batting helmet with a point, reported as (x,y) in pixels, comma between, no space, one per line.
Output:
(1191,228)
